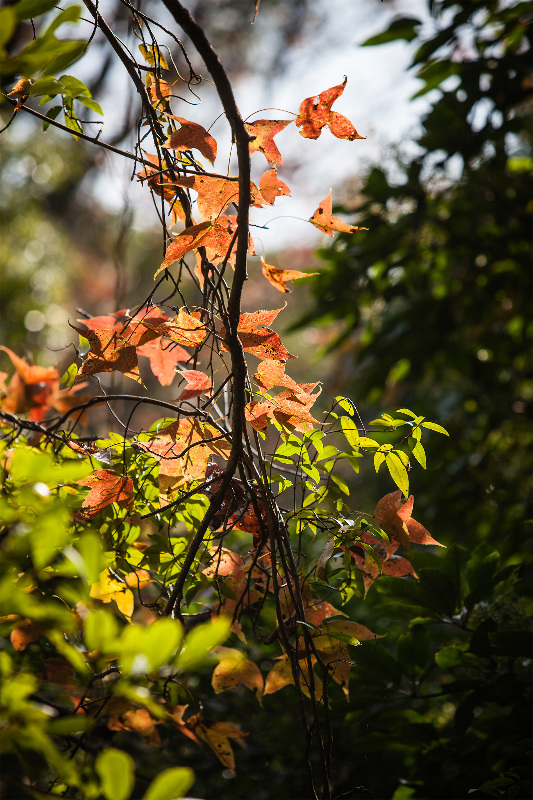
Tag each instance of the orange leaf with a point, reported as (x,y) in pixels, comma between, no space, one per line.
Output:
(324,220)
(233,669)
(205,234)
(109,352)
(289,409)
(131,328)
(163,359)
(160,91)
(106,487)
(195,441)
(271,186)
(217,736)
(24,633)
(279,277)
(138,579)
(281,675)
(261,342)
(136,720)
(394,517)
(272,373)
(184,328)
(215,194)
(108,589)
(197,383)
(315,113)
(192,136)
(264,131)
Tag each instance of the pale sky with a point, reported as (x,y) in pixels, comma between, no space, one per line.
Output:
(376,100)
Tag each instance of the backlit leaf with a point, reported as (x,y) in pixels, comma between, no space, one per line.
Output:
(279,277)
(192,136)
(264,131)
(324,220)
(197,383)
(106,487)
(315,113)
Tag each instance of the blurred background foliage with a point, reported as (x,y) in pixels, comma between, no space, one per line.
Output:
(429,309)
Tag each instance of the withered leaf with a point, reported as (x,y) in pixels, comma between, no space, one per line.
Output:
(271,186)
(217,736)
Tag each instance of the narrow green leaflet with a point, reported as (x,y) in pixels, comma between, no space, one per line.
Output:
(398,472)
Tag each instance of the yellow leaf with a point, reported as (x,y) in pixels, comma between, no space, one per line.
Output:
(108,589)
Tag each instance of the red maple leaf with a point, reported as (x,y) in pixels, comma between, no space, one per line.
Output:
(205,234)
(272,373)
(106,487)
(192,136)
(109,352)
(324,220)
(197,383)
(288,408)
(35,390)
(260,341)
(271,186)
(185,329)
(163,359)
(131,328)
(264,131)
(393,515)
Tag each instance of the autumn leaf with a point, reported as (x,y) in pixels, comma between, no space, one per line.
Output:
(131,328)
(138,579)
(109,352)
(197,383)
(315,113)
(184,329)
(264,131)
(291,410)
(136,720)
(229,567)
(272,373)
(393,515)
(35,390)
(205,234)
(108,589)
(153,56)
(335,654)
(348,628)
(281,675)
(386,562)
(106,487)
(24,633)
(271,186)
(217,736)
(196,442)
(163,359)
(215,194)
(279,277)
(192,136)
(260,341)
(233,669)
(324,220)
(159,91)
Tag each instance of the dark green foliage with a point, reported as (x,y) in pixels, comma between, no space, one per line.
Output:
(434,301)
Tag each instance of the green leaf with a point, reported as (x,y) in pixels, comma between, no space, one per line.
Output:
(449,657)
(101,630)
(312,471)
(27,9)
(52,114)
(74,87)
(170,784)
(69,376)
(346,404)
(398,472)
(434,427)
(71,14)
(116,770)
(341,483)
(8,23)
(47,85)
(404,28)
(200,641)
(417,449)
